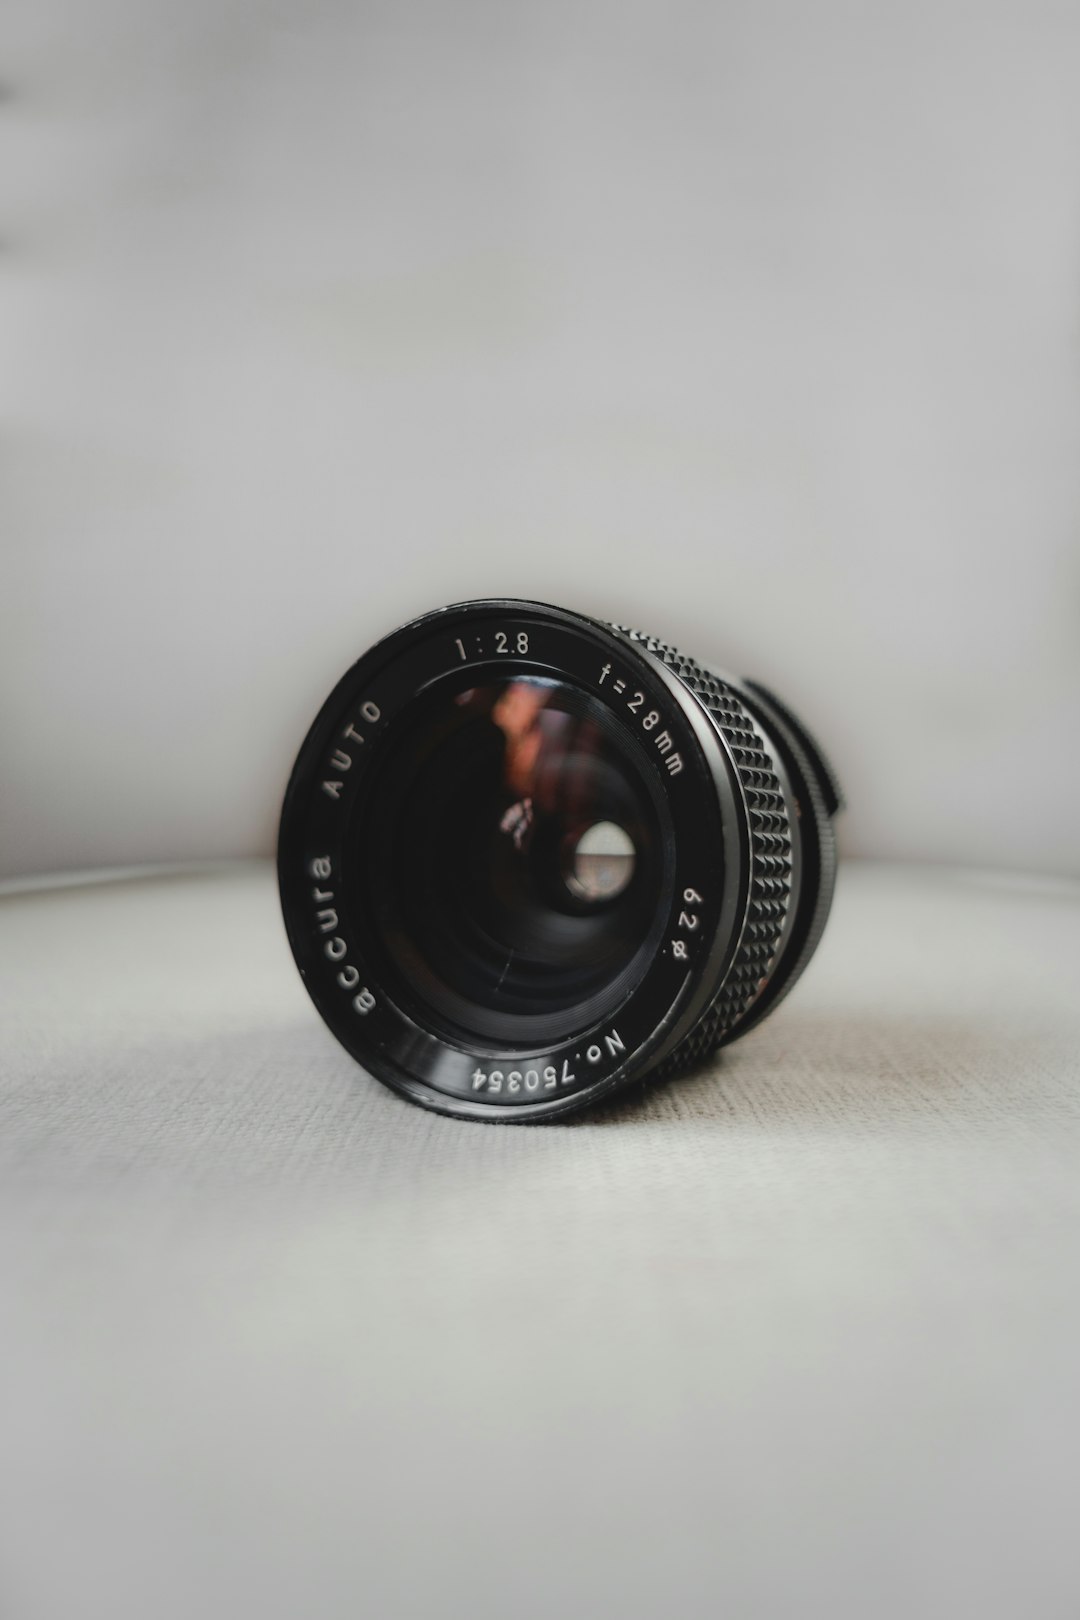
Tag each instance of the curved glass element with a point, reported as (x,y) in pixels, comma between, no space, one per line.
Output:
(515,868)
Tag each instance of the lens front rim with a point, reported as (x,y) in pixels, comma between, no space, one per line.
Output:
(711,853)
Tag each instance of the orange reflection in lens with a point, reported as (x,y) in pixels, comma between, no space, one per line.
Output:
(517,714)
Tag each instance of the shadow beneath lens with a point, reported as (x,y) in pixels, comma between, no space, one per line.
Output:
(285,1109)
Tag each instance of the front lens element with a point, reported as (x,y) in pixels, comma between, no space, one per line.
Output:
(510,869)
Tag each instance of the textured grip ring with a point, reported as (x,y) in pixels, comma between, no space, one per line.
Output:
(770,854)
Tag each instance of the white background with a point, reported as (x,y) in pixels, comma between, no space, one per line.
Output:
(755,324)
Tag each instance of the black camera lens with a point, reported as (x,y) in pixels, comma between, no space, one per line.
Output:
(527,858)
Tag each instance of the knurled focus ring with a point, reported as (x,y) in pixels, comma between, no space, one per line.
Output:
(770,855)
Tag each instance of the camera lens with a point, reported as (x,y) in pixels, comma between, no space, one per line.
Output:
(527,858)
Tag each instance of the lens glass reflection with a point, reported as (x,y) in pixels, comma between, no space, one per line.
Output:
(514,865)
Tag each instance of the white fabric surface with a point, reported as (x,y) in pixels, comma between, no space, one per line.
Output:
(797,1337)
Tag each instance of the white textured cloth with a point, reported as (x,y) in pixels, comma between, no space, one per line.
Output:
(798,1336)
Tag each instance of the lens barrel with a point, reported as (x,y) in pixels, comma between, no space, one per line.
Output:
(527,858)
